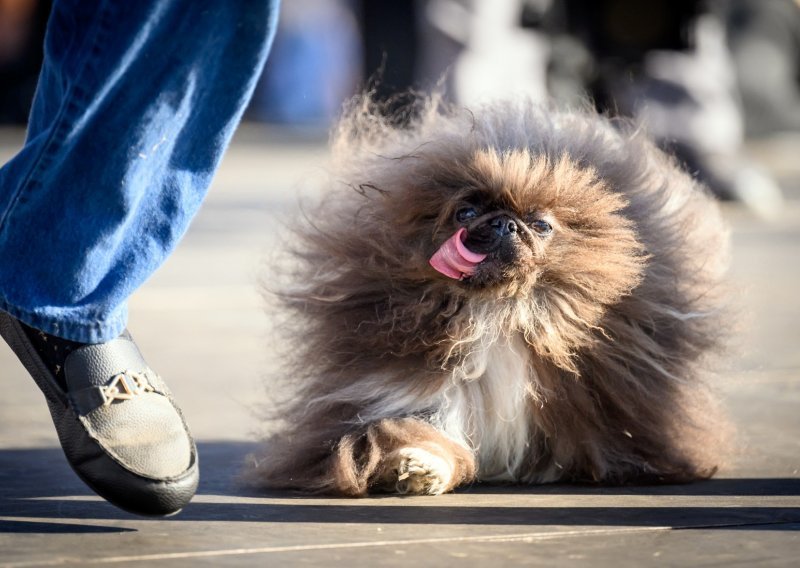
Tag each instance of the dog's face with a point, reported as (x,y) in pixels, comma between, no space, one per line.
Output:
(510,244)
(508,224)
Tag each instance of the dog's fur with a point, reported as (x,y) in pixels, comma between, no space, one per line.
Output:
(579,358)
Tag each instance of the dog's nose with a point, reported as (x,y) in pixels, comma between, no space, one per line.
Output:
(504,225)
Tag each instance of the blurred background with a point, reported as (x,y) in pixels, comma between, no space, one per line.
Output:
(703,76)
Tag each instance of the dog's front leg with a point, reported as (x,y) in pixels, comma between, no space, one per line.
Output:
(404,455)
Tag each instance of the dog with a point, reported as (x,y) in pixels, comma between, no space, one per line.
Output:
(507,294)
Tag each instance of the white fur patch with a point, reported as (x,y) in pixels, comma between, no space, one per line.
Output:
(419,472)
(486,407)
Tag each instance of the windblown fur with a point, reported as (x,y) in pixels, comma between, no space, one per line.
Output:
(579,358)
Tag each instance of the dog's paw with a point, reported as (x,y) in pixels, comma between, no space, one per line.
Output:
(415,471)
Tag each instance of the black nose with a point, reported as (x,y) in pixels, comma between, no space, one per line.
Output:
(503,225)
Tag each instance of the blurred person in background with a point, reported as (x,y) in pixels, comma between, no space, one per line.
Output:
(667,64)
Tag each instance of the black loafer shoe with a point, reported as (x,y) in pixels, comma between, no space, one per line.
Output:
(117,423)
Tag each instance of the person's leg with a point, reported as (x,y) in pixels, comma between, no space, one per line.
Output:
(135,105)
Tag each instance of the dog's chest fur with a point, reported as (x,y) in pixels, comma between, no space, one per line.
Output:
(486,406)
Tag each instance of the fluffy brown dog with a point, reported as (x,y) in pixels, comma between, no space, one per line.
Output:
(509,294)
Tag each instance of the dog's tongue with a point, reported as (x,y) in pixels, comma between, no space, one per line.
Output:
(454,259)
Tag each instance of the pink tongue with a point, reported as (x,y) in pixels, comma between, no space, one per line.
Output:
(454,259)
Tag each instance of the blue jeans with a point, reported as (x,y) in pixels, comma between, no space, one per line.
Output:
(136,102)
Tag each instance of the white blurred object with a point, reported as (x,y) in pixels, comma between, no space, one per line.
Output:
(708,118)
(500,59)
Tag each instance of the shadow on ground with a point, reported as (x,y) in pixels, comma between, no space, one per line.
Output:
(38,484)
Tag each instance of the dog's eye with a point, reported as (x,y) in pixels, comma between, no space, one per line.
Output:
(466,214)
(541,226)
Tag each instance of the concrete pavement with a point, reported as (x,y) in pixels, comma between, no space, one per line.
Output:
(201,324)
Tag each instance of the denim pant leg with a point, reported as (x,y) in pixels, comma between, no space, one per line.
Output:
(136,102)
